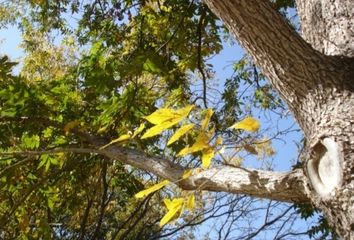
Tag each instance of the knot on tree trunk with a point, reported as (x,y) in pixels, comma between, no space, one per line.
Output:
(325,167)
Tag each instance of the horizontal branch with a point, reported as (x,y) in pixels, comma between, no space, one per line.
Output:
(286,187)
(51,151)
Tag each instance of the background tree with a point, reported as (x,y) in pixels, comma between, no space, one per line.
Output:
(116,66)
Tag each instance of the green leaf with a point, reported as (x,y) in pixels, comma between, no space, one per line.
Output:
(150,66)
(30,142)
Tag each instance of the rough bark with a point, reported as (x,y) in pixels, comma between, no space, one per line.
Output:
(280,186)
(328,25)
(317,87)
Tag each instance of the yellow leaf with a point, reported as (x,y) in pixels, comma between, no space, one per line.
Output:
(124,137)
(180,132)
(152,189)
(161,115)
(183,112)
(166,114)
(248,124)
(264,148)
(218,141)
(185,151)
(174,207)
(168,203)
(190,205)
(139,130)
(208,154)
(187,173)
(200,143)
(159,128)
(164,119)
(121,138)
(206,120)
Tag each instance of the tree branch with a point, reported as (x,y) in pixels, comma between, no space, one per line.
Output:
(293,67)
(286,186)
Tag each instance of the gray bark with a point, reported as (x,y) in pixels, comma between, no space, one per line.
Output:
(316,79)
(328,25)
(280,186)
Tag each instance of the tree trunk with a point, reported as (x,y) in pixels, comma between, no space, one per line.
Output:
(316,79)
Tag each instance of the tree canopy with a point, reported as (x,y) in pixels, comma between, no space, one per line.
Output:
(107,86)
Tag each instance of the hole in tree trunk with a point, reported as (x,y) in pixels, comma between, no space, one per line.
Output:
(325,167)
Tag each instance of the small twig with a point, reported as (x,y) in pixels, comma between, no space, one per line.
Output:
(52,151)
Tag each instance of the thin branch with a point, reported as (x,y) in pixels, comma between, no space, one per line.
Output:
(104,202)
(51,151)
(199,54)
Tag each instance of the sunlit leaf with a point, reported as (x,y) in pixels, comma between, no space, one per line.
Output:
(139,130)
(180,132)
(166,114)
(174,207)
(200,143)
(206,119)
(249,124)
(208,154)
(161,115)
(187,173)
(31,142)
(152,189)
(165,118)
(190,204)
(218,141)
(159,128)
(167,202)
(122,138)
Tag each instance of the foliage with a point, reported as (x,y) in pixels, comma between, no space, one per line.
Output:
(322,227)
(119,75)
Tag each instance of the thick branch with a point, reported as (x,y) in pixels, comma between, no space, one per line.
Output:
(287,187)
(292,66)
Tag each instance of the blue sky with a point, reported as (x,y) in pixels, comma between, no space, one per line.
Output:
(286,150)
